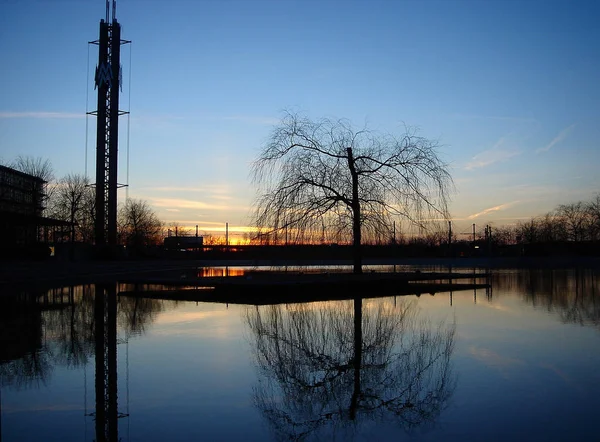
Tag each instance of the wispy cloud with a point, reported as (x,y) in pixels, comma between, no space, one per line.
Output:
(261,120)
(41,115)
(172,204)
(494,155)
(495,360)
(217,194)
(492,209)
(495,118)
(195,189)
(175,203)
(560,137)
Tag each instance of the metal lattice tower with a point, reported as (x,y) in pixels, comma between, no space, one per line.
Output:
(108,82)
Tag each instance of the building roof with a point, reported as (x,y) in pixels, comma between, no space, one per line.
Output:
(29,219)
(22,174)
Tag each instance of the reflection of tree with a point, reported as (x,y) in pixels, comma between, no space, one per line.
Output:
(574,294)
(135,313)
(39,330)
(69,330)
(331,367)
(23,360)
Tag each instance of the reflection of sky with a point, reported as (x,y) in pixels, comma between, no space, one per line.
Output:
(520,370)
(523,374)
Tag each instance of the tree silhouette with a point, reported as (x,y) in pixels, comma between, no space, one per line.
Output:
(328,370)
(73,201)
(138,224)
(323,178)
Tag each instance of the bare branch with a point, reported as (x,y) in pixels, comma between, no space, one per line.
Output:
(318,175)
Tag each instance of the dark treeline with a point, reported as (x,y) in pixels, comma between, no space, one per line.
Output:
(570,229)
(573,295)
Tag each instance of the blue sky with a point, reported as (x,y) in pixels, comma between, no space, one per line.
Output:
(509,88)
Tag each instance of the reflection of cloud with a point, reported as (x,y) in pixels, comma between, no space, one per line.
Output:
(560,137)
(43,115)
(179,317)
(493,359)
(561,374)
(491,209)
(491,156)
(501,308)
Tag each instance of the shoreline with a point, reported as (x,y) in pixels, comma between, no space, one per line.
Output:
(55,273)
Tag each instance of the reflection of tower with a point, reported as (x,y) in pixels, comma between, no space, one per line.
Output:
(108,82)
(105,318)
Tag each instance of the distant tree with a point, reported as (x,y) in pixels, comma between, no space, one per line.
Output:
(528,231)
(593,210)
(317,178)
(40,168)
(576,220)
(503,235)
(138,224)
(36,166)
(70,202)
(176,228)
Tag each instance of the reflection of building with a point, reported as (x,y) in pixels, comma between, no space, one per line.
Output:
(22,199)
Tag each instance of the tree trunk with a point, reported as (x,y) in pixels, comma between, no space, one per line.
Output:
(357,360)
(356,234)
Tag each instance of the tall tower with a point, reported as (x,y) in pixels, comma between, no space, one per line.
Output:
(108,82)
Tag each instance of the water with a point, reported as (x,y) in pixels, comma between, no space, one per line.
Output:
(517,362)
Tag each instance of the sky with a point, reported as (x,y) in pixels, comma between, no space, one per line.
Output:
(509,89)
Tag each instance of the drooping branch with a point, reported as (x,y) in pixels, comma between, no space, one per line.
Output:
(316,175)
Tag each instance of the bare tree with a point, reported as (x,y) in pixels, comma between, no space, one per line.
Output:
(177,229)
(40,168)
(576,220)
(36,166)
(70,202)
(323,176)
(138,224)
(593,211)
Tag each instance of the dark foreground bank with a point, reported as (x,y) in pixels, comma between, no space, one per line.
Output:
(53,273)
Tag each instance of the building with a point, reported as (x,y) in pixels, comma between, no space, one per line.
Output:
(25,231)
(184,243)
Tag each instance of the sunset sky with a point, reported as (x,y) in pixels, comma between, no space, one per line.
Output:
(510,89)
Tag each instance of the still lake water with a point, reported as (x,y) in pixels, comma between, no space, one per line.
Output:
(518,362)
